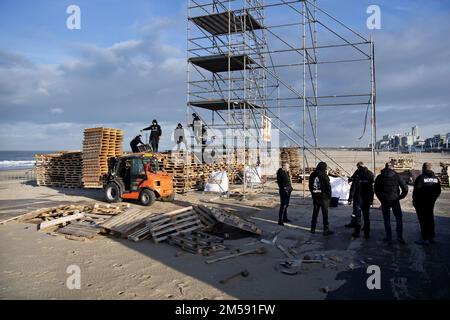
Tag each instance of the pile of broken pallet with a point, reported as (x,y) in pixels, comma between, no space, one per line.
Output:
(75,220)
(185,228)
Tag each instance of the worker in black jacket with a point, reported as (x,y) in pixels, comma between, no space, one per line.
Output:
(320,187)
(390,189)
(155,134)
(352,223)
(134,144)
(427,189)
(285,188)
(361,195)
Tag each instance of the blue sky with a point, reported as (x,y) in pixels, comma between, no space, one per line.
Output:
(127,61)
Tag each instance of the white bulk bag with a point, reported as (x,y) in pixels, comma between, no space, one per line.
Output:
(217,182)
(340,188)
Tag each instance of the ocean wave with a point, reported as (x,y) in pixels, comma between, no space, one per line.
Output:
(16,164)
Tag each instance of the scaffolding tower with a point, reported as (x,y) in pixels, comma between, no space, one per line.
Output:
(254,65)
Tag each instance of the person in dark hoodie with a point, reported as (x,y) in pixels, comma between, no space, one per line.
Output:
(285,188)
(390,189)
(320,187)
(134,144)
(362,194)
(427,189)
(155,134)
(352,223)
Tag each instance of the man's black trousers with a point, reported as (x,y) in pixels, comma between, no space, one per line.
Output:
(425,213)
(320,203)
(397,211)
(364,208)
(285,197)
(154,142)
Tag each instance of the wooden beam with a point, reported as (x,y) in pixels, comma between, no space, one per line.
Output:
(55,222)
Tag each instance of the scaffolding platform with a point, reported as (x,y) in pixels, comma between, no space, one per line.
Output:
(219,62)
(221,105)
(227,22)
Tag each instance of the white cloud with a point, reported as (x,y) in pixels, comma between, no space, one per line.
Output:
(56,111)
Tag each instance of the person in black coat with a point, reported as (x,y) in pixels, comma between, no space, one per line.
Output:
(155,134)
(390,189)
(285,189)
(134,144)
(362,194)
(320,187)
(427,189)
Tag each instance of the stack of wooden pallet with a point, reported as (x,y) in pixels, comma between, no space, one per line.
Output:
(403,163)
(99,145)
(63,169)
(292,156)
(188,174)
(443,176)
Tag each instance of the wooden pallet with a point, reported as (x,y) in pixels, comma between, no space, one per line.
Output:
(197,243)
(173,223)
(126,223)
(234,221)
(80,229)
(206,217)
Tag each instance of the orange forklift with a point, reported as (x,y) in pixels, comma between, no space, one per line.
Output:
(137,177)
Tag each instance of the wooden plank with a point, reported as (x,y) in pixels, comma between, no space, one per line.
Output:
(160,239)
(80,230)
(55,222)
(140,234)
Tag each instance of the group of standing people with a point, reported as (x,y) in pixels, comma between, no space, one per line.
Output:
(388,187)
(198,127)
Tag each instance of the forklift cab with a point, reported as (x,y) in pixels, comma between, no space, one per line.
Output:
(133,171)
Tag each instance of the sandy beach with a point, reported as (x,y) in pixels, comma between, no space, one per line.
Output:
(33,264)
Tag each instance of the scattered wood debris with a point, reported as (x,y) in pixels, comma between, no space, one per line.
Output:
(46,214)
(75,220)
(260,250)
(60,221)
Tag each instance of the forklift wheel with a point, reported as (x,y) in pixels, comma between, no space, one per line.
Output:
(170,198)
(147,197)
(112,193)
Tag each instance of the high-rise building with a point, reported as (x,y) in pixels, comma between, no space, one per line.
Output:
(415,132)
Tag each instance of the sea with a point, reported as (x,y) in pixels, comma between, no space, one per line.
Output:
(12,160)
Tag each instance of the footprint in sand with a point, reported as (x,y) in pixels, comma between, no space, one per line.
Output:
(117,266)
(182,287)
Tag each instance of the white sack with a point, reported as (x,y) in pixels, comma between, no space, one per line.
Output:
(340,188)
(217,182)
